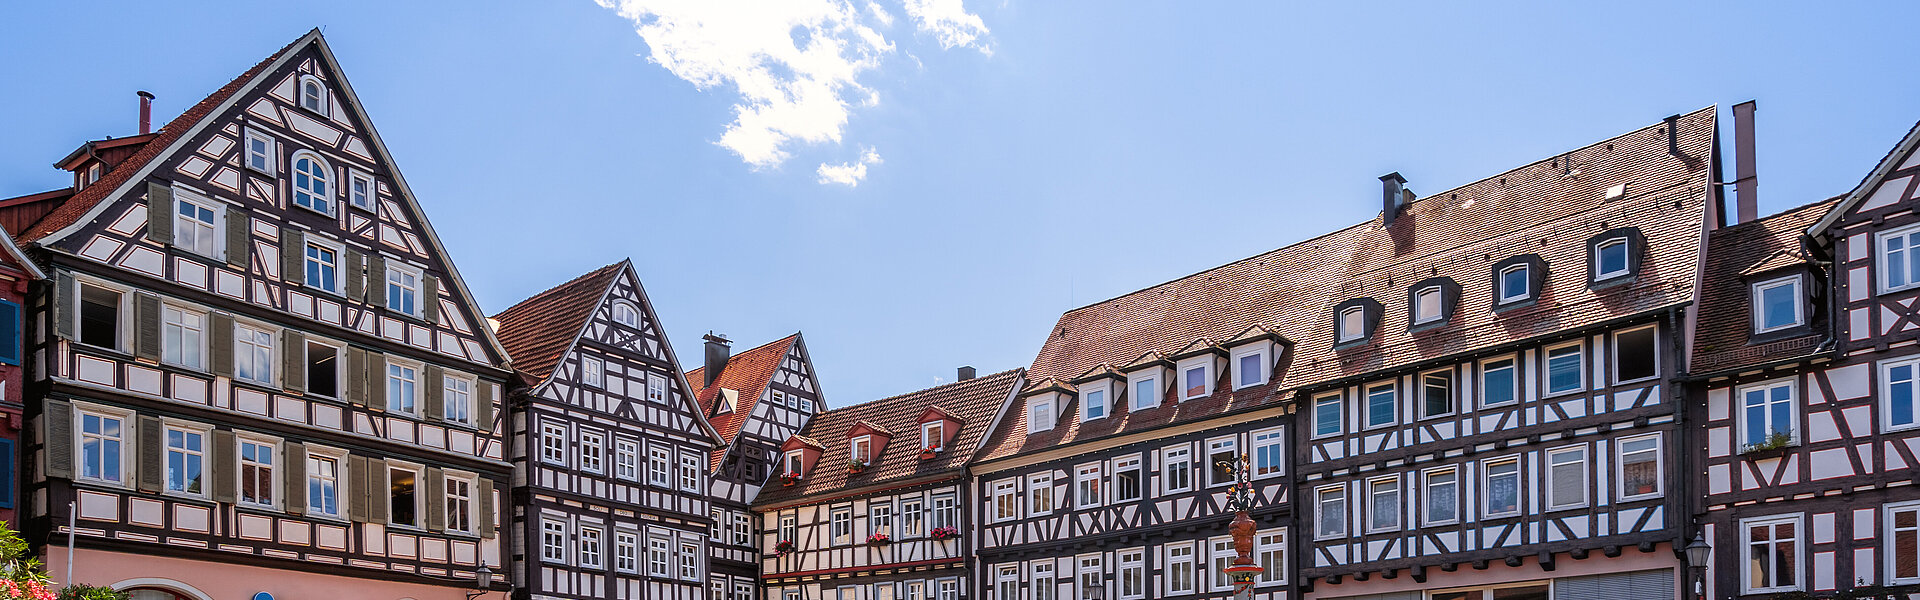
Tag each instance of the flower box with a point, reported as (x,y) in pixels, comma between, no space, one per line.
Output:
(879,539)
(944,533)
(783,547)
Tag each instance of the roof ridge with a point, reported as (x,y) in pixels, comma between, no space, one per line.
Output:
(788,339)
(942,386)
(1788,212)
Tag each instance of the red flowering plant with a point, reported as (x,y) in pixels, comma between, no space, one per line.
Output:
(783,547)
(944,533)
(788,479)
(879,539)
(929,451)
(21,576)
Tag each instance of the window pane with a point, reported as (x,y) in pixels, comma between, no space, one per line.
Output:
(1326,416)
(1380,406)
(1613,258)
(1251,370)
(1563,369)
(1497,382)
(1196,381)
(1900,395)
(1442,496)
(1513,284)
(1437,394)
(1635,351)
(1779,306)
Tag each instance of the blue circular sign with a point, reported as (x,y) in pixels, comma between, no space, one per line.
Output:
(263,596)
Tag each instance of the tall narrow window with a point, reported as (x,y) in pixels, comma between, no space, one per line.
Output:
(1903,549)
(689,472)
(1498,383)
(456,399)
(1269,455)
(459,502)
(1768,413)
(1270,552)
(1042,582)
(311,185)
(1223,456)
(404,505)
(1567,477)
(657,552)
(1096,404)
(402,383)
(323,370)
(1610,259)
(789,527)
(1503,487)
(1178,468)
(593,371)
(1093,578)
(1133,574)
(403,290)
(690,559)
(656,388)
(194,226)
(260,152)
(182,336)
(313,94)
(1006,503)
(253,355)
(1146,393)
(1222,555)
(879,517)
(1635,355)
(1639,467)
(1773,555)
(1776,304)
(659,466)
(1008,581)
(626,459)
(1330,508)
(1126,479)
(1514,284)
(1897,409)
(99,316)
(626,552)
(1197,381)
(842,523)
(1180,569)
(1040,494)
(1087,485)
(1442,500)
(593,447)
(1436,394)
(186,453)
(256,472)
(1353,324)
(1250,369)
(1040,415)
(1382,405)
(1327,414)
(360,190)
(323,265)
(912,518)
(100,444)
(323,485)
(946,511)
(553,541)
(1426,305)
(1384,504)
(1565,370)
(553,443)
(862,450)
(743,529)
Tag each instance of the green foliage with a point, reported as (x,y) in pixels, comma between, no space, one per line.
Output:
(81,591)
(1774,441)
(22,577)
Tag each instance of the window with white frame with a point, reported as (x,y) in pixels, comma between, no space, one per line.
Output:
(1353,324)
(949,589)
(659,466)
(1177,468)
(589,545)
(252,354)
(1636,354)
(1223,456)
(456,399)
(195,224)
(1441,496)
(912,517)
(1567,477)
(842,523)
(593,448)
(1146,392)
(789,527)
(690,559)
(933,434)
(1222,556)
(624,313)
(186,455)
(1383,405)
(861,450)
(1502,491)
(1330,510)
(553,540)
(1270,552)
(1127,479)
(102,446)
(1196,379)
(459,502)
(323,368)
(1093,400)
(656,388)
(1133,573)
(1899,259)
(880,516)
(1180,569)
(1774,553)
(101,308)
(1768,412)
(403,388)
(312,183)
(260,151)
(794,462)
(360,189)
(1086,485)
(1093,578)
(403,485)
(626,551)
(744,589)
(1436,394)
(1515,284)
(1040,494)
(403,290)
(1383,504)
(553,442)
(946,510)
(313,94)
(1426,305)
(1269,452)
(1250,366)
(1042,578)
(1008,581)
(1610,259)
(1898,393)
(743,529)
(1040,414)
(1328,412)
(658,549)
(258,457)
(323,266)
(1499,382)
(1566,369)
(324,485)
(1903,542)
(1640,467)
(593,371)
(1006,500)
(182,336)
(1776,304)
(689,472)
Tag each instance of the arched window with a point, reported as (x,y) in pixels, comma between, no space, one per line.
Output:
(311,183)
(1353,323)
(625,314)
(313,94)
(1610,259)
(1426,304)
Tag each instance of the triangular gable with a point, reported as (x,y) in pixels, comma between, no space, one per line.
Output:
(1876,188)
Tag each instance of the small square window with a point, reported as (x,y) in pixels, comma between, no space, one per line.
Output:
(1040,415)
(1249,367)
(1899,259)
(1094,401)
(1776,305)
(1515,284)
(1353,324)
(260,149)
(1610,259)
(1426,305)
(1146,393)
(360,190)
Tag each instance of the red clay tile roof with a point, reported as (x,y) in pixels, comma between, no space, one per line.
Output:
(77,207)
(537,331)
(974,402)
(1542,208)
(1726,313)
(747,373)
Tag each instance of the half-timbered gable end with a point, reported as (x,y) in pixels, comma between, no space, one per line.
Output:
(250,312)
(1808,437)
(612,450)
(873,502)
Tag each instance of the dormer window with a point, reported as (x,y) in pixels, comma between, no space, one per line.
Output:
(1610,259)
(1146,391)
(1250,366)
(933,435)
(313,94)
(1353,323)
(1426,304)
(1776,305)
(794,462)
(1514,284)
(1355,320)
(1039,415)
(1093,403)
(861,449)
(1196,379)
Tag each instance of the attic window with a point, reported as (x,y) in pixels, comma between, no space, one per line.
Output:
(1353,324)
(625,314)
(861,449)
(260,152)
(1426,304)
(1094,403)
(1514,284)
(1776,304)
(1039,416)
(313,94)
(933,435)
(1196,378)
(1250,366)
(312,183)
(1610,259)
(793,463)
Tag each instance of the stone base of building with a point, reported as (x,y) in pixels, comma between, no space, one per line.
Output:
(1634,574)
(206,580)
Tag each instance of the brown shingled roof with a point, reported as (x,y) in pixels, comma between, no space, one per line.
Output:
(1543,208)
(747,373)
(1725,328)
(537,331)
(974,402)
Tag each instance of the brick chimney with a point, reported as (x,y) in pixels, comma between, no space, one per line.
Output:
(719,351)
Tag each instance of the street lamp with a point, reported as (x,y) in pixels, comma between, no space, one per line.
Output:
(482,582)
(1698,553)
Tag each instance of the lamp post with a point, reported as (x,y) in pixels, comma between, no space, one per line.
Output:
(482,582)
(1698,553)
(1240,501)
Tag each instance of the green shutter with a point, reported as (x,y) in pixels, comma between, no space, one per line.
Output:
(146,331)
(153,462)
(435,384)
(293,360)
(486,508)
(56,432)
(355,274)
(356,488)
(430,299)
(160,213)
(356,392)
(483,405)
(436,497)
(293,255)
(377,381)
(220,343)
(378,493)
(376,280)
(294,471)
(64,293)
(239,238)
(224,473)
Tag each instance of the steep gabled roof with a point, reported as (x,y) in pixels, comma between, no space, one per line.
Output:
(538,331)
(1725,339)
(747,373)
(974,402)
(1888,164)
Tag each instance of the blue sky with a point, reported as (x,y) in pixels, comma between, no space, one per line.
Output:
(1070,151)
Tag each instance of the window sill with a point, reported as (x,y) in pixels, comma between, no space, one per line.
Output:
(1579,390)
(1612,281)
(1516,303)
(1639,497)
(1767,453)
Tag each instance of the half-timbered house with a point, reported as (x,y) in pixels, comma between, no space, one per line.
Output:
(1806,432)
(610,449)
(870,500)
(256,369)
(757,400)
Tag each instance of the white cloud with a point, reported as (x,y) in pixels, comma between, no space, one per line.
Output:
(949,21)
(796,64)
(848,174)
